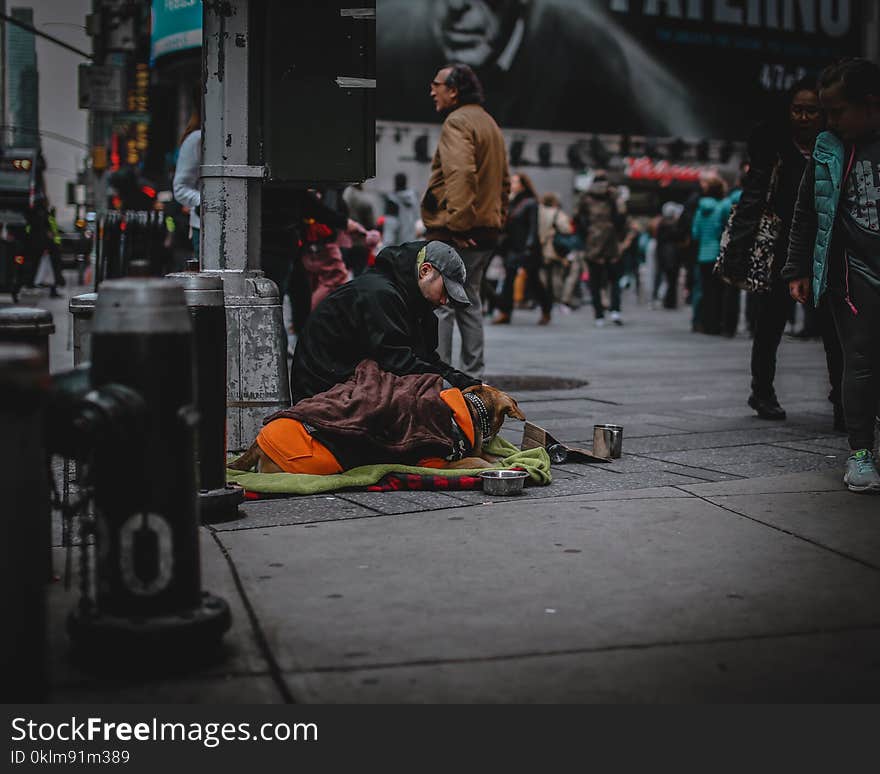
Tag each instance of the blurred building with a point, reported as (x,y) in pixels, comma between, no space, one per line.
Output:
(22,83)
(176,75)
(652,91)
(40,91)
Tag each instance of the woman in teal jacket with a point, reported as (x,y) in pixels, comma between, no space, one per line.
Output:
(834,250)
(711,215)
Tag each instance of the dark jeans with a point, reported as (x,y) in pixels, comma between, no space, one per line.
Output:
(535,288)
(689,261)
(812,321)
(709,314)
(833,351)
(602,274)
(719,306)
(770,314)
(772,311)
(657,280)
(730,296)
(671,270)
(860,342)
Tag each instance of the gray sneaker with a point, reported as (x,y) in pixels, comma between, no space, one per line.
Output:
(861,473)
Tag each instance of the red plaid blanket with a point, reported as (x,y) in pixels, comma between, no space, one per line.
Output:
(397,482)
(401,482)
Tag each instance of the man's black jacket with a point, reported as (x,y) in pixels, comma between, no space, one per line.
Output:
(381,315)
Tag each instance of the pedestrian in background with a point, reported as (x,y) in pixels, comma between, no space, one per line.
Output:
(672,237)
(188,171)
(834,250)
(43,257)
(54,248)
(321,254)
(779,150)
(354,248)
(563,271)
(285,215)
(729,295)
(632,255)
(599,221)
(466,201)
(690,250)
(522,250)
(401,213)
(706,231)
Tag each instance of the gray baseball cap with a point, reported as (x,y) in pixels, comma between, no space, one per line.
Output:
(448,262)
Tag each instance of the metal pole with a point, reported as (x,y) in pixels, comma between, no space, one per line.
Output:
(231,180)
(230,209)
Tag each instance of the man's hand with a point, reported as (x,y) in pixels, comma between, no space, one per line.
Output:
(464,244)
(800,289)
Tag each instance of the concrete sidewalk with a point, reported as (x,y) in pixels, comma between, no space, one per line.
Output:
(721,559)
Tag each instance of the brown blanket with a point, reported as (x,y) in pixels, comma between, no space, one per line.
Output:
(398,413)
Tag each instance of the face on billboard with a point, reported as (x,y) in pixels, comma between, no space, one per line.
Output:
(474,32)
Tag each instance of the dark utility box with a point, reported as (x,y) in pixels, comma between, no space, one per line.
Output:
(318,91)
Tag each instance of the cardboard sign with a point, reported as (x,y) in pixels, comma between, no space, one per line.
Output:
(535,437)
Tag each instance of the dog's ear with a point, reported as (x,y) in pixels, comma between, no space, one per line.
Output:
(511,409)
(506,406)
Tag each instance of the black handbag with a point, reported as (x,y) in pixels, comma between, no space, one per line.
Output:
(755,274)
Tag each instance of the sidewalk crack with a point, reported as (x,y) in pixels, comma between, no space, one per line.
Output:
(815,543)
(627,646)
(259,635)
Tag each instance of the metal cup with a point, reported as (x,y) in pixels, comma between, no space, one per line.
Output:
(607,441)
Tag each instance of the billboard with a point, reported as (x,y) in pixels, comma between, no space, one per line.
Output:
(176,25)
(688,68)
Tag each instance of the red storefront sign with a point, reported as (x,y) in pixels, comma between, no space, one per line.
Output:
(645,168)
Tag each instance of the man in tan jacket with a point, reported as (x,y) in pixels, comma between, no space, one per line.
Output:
(466,201)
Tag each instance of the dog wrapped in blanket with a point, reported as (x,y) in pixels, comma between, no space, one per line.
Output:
(378,417)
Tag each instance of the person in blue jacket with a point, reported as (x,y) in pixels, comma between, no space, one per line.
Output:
(834,250)
(709,220)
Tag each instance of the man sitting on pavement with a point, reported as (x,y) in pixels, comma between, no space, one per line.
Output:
(386,315)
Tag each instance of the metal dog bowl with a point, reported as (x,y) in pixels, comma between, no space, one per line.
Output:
(503,482)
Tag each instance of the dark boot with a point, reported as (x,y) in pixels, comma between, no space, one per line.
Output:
(767,407)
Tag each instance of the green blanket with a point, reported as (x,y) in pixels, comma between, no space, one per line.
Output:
(535,461)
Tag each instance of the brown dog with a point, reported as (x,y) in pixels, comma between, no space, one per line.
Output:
(488,408)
